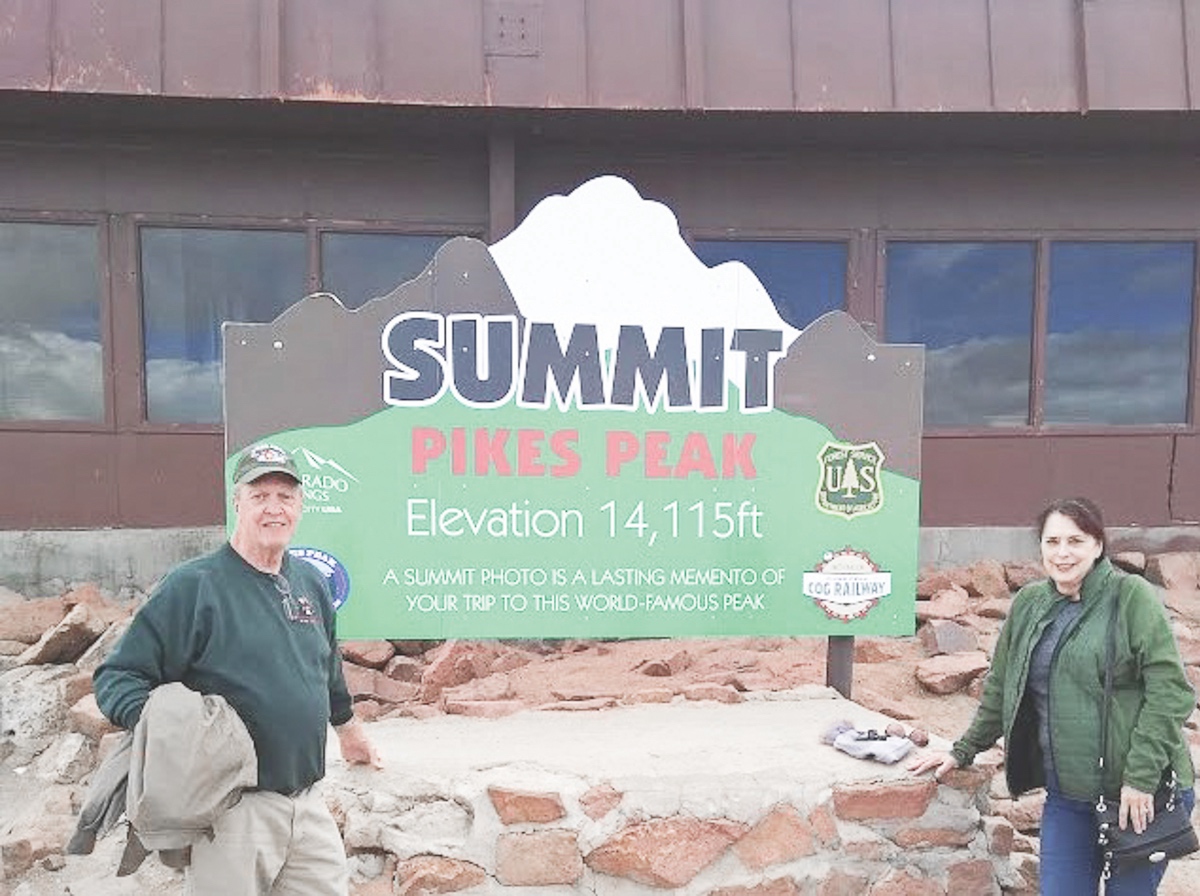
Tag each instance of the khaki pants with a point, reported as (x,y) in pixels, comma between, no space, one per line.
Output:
(271,844)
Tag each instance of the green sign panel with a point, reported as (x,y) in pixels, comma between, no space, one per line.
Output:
(583,431)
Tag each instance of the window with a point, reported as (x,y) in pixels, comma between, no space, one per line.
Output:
(51,361)
(1119,332)
(804,279)
(1116,326)
(193,280)
(971,304)
(357,267)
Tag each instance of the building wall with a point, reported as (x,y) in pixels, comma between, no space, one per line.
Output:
(317,166)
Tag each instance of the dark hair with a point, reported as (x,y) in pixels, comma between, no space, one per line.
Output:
(1082,512)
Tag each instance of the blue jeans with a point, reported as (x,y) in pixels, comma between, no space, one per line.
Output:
(1070,865)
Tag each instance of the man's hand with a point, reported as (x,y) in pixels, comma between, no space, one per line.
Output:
(356,746)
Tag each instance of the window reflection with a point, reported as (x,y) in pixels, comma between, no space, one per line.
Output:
(971,304)
(193,280)
(1118,334)
(51,363)
(804,279)
(357,267)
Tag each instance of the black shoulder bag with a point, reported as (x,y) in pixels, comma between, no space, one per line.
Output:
(1170,835)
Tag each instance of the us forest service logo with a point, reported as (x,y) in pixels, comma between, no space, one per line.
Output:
(847,584)
(851,484)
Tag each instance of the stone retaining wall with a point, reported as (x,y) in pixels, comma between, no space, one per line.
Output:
(757,806)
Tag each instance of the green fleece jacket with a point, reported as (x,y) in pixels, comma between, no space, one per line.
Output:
(220,626)
(1151,695)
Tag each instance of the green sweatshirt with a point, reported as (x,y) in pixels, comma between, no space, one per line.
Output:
(220,626)
(1151,695)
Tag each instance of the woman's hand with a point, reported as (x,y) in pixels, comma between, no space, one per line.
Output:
(1136,807)
(938,761)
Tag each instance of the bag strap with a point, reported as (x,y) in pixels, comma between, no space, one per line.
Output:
(1110,654)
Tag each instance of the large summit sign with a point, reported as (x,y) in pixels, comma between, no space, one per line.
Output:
(584,431)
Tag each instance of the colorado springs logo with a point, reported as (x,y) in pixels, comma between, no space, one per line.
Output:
(850,484)
(846,584)
(331,568)
(325,485)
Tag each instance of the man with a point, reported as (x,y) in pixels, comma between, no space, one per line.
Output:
(256,626)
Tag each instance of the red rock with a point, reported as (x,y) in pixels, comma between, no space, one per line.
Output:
(780,837)
(842,883)
(948,604)
(1176,570)
(426,875)
(510,660)
(580,705)
(974,876)
(650,695)
(780,886)
(824,825)
(372,654)
(454,663)
(878,650)
(368,710)
(950,673)
(664,852)
(388,690)
(538,859)
(519,807)
(85,717)
(28,621)
(599,801)
(883,800)
(1000,836)
(1020,574)
(1023,813)
(495,687)
(994,608)
(404,668)
(1131,559)
(893,709)
(939,636)
(719,692)
(921,838)
(906,883)
(360,681)
(479,709)
(66,641)
(987,579)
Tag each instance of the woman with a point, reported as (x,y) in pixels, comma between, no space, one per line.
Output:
(1044,694)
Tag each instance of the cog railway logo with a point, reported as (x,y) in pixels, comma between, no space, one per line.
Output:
(847,584)
(851,483)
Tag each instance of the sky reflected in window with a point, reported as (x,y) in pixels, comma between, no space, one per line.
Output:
(193,280)
(1119,332)
(51,361)
(971,304)
(805,279)
(357,267)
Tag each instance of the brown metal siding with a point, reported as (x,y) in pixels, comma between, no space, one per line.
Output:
(1135,54)
(1035,63)
(801,55)
(108,47)
(747,54)
(193,33)
(842,55)
(1008,479)
(940,54)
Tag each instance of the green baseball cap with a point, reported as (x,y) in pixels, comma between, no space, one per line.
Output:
(259,460)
